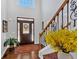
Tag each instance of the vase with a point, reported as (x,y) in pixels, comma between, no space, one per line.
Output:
(62,55)
(73,54)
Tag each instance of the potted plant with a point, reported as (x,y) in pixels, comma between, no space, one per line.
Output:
(62,40)
(11,42)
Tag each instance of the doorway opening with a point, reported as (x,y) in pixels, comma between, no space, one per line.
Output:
(25,29)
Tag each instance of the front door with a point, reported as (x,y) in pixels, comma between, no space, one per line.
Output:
(26,31)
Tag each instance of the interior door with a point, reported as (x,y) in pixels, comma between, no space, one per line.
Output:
(26,32)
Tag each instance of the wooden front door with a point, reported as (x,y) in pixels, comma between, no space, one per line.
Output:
(26,31)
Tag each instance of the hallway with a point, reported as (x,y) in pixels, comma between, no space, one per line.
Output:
(29,28)
(24,52)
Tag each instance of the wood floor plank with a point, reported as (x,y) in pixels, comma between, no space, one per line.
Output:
(24,52)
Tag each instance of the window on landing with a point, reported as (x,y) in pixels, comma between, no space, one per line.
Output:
(27,3)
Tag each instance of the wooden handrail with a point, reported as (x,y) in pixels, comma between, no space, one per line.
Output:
(57,13)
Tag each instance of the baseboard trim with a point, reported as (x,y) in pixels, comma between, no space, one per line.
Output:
(6,49)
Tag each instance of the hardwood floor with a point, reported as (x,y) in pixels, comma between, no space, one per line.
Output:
(24,52)
(51,56)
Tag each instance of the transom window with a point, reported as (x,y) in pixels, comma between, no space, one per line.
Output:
(27,3)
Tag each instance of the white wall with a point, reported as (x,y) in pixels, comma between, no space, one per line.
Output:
(49,8)
(3,17)
(14,11)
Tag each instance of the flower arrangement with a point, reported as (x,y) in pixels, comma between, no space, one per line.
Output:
(62,40)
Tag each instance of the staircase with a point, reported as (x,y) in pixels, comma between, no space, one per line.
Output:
(53,25)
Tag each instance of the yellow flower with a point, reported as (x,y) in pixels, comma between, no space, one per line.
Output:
(64,40)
